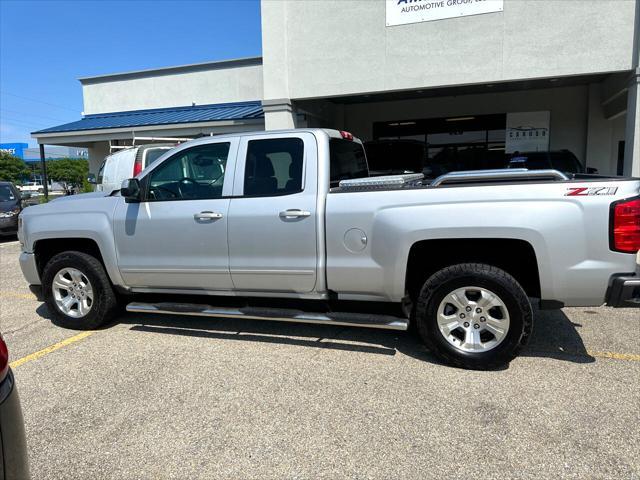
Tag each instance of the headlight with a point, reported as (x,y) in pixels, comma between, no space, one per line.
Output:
(10,213)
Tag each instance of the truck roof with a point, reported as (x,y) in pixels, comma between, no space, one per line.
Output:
(327,131)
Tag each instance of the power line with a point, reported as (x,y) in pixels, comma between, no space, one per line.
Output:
(26,121)
(33,115)
(22,124)
(38,101)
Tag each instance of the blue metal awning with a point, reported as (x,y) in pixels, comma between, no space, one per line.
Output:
(163,116)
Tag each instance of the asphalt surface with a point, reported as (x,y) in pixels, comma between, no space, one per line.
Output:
(179,397)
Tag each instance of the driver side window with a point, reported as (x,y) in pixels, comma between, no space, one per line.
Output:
(193,174)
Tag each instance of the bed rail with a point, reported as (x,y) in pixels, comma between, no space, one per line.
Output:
(471,176)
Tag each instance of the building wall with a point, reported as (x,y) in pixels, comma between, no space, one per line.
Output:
(320,48)
(172,88)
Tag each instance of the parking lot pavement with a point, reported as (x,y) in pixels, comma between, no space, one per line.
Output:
(178,397)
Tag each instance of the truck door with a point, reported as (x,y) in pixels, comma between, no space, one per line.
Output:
(272,215)
(177,236)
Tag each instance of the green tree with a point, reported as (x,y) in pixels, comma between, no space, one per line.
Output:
(12,169)
(68,171)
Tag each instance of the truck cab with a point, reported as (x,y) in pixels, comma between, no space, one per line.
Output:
(210,198)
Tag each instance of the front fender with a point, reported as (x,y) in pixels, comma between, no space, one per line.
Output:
(90,219)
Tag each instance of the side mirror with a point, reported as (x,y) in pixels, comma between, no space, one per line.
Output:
(130,190)
(592,170)
(91,178)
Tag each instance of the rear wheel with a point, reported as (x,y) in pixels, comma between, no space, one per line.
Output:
(474,316)
(78,292)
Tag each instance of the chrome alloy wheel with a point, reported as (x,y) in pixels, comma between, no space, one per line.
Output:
(473,319)
(72,292)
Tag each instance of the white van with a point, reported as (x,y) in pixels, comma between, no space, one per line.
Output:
(128,163)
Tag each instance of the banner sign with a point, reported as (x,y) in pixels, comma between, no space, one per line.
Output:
(15,149)
(401,12)
(527,132)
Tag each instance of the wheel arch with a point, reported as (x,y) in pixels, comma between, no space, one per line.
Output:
(515,256)
(45,249)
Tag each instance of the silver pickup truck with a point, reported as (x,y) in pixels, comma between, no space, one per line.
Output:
(287,225)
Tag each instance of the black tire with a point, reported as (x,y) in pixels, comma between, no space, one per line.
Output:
(494,279)
(105,301)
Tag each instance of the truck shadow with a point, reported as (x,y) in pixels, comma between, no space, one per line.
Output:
(555,335)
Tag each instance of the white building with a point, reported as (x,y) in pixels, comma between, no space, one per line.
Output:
(514,75)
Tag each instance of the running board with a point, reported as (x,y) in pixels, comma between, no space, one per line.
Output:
(346,319)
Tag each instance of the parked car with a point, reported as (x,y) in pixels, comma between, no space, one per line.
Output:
(268,214)
(11,203)
(563,160)
(13,444)
(127,163)
(32,187)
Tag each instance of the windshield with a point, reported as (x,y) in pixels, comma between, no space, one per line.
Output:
(347,160)
(6,193)
(101,172)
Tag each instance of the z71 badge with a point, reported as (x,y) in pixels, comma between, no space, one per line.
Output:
(584,191)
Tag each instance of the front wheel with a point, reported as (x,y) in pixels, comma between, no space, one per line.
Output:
(474,316)
(78,292)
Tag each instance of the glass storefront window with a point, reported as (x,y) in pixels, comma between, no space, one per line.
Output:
(450,144)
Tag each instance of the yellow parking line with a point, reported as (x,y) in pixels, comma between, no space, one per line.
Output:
(616,356)
(9,294)
(52,348)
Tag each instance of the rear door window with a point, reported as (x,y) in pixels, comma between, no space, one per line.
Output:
(274,167)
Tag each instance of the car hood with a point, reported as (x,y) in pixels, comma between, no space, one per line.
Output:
(8,205)
(79,197)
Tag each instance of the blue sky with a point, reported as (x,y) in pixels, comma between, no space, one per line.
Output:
(46,45)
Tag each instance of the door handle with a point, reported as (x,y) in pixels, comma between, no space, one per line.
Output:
(207,215)
(294,213)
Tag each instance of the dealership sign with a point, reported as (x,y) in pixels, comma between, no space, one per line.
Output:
(527,132)
(401,12)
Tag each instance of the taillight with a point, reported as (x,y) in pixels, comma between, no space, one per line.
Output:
(346,135)
(4,359)
(137,167)
(625,226)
